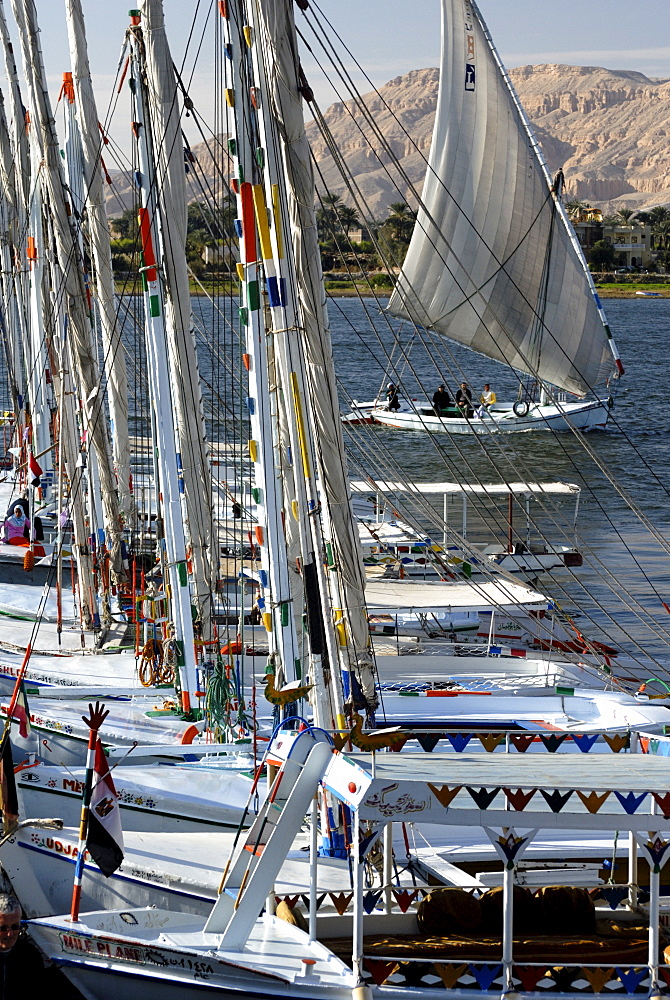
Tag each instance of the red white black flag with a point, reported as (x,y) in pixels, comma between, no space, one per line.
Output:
(105,836)
(35,470)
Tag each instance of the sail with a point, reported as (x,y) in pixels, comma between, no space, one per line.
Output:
(493,263)
(97,221)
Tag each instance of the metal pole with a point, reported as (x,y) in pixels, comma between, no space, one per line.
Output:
(388,867)
(508,925)
(357,935)
(313,867)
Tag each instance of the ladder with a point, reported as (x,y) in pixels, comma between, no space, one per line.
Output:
(255,869)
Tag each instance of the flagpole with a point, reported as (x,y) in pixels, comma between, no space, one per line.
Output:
(97,717)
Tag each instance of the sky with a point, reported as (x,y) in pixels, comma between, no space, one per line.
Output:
(387,37)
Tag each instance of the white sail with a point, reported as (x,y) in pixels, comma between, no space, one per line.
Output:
(493,263)
(97,221)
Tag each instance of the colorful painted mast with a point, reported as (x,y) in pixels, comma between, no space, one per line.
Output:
(170,485)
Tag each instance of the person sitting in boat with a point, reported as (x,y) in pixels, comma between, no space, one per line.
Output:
(392,401)
(441,400)
(24,503)
(17,527)
(488,397)
(464,400)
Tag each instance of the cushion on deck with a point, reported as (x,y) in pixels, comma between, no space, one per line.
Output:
(570,950)
(448,911)
(565,908)
(526,913)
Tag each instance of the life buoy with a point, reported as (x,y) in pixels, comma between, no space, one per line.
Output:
(521,408)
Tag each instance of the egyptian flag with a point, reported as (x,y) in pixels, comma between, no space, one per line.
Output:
(35,470)
(22,712)
(9,804)
(105,836)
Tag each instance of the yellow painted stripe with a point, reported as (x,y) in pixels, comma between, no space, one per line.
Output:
(277,217)
(230,97)
(300,420)
(267,621)
(253,451)
(294,509)
(240,271)
(248,34)
(262,222)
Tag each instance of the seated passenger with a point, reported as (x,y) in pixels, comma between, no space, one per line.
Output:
(17,527)
(441,400)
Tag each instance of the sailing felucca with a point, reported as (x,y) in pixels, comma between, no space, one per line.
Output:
(494,263)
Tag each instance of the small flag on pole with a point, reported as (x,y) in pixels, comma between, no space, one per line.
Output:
(22,712)
(35,470)
(9,803)
(105,836)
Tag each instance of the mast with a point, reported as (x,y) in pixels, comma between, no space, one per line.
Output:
(193,449)
(171,486)
(79,319)
(96,218)
(342,587)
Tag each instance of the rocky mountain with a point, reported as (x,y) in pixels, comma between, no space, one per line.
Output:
(607,129)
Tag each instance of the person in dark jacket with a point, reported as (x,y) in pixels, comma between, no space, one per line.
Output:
(392,401)
(441,400)
(464,400)
(22,969)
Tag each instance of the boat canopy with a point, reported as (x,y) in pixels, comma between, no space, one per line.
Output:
(488,489)
(493,262)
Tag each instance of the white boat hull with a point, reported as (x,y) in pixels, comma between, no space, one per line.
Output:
(501,420)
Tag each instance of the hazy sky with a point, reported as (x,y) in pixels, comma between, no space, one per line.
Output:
(388,37)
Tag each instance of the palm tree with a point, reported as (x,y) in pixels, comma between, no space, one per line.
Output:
(348,218)
(624,216)
(401,221)
(642,218)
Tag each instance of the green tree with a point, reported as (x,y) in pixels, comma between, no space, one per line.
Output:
(601,256)
(400,222)
(624,215)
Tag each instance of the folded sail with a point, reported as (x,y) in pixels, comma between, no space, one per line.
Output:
(492,263)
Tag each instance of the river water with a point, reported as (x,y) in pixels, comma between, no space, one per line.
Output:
(626,576)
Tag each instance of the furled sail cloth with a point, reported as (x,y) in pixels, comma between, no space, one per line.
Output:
(492,262)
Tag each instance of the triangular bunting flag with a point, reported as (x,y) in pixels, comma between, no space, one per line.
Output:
(519,799)
(631,802)
(530,975)
(555,800)
(631,978)
(613,895)
(404,898)
(459,741)
(449,974)
(444,794)
(340,900)
(370,899)
(485,974)
(585,741)
(597,978)
(552,742)
(380,971)
(521,741)
(428,741)
(483,797)
(663,801)
(617,742)
(490,740)
(593,801)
